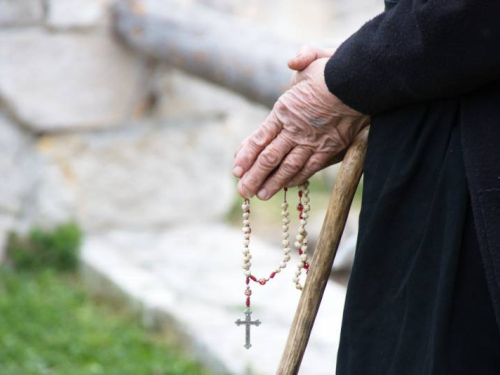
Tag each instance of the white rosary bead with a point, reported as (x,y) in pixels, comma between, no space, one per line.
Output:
(305,199)
(277,270)
(298,272)
(286,243)
(246,222)
(247,258)
(284,213)
(298,244)
(286,258)
(306,207)
(286,250)
(247,236)
(245,229)
(300,265)
(245,252)
(286,235)
(303,248)
(295,279)
(299,238)
(282,265)
(286,221)
(247,273)
(245,206)
(303,222)
(246,243)
(303,257)
(246,215)
(285,228)
(298,286)
(246,266)
(284,205)
(305,241)
(302,230)
(305,215)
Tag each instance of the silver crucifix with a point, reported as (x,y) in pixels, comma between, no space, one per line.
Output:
(248,322)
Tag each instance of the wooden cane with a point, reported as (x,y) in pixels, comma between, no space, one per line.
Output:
(324,255)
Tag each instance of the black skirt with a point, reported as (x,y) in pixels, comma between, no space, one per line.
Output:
(417,300)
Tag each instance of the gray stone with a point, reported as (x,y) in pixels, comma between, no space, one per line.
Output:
(18,171)
(137,177)
(68,14)
(64,81)
(190,279)
(16,156)
(20,12)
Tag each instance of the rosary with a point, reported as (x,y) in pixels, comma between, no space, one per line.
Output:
(303,208)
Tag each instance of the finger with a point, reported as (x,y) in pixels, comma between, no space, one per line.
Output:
(315,163)
(240,147)
(307,55)
(266,162)
(304,58)
(291,165)
(255,143)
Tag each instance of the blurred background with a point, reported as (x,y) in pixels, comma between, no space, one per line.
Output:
(119,222)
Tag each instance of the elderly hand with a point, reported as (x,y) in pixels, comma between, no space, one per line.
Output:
(307,130)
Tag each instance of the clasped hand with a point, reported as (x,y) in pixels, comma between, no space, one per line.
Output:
(307,130)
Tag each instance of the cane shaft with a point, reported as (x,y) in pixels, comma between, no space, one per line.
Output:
(324,255)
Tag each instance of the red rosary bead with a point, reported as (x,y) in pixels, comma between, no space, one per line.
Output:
(247,280)
(247,303)
(253,278)
(300,193)
(300,207)
(262,281)
(272,275)
(248,292)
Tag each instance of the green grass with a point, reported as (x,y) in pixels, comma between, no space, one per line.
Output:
(50,325)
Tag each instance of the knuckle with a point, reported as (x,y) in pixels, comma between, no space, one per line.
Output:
(258,140)
(291,166)
(269,159)
(250,183)
(315,165)
(281,106)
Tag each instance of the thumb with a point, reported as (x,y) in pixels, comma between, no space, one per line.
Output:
(304,57)
(308,55)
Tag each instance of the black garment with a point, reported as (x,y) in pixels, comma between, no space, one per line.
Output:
(425,50)
(417,301)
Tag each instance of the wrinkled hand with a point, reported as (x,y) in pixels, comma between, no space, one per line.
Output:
(307,130)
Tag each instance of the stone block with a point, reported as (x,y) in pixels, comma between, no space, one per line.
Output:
(69,14)
(136,177)
(20,12)
(65,81)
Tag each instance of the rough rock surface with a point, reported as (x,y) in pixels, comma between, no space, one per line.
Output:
(137,177)
(18,175)
(67,14)
(67,81)
(20,12)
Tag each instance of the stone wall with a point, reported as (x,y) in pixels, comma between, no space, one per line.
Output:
(91,132)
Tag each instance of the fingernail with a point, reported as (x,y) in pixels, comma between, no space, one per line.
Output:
(237,171)
(262,194)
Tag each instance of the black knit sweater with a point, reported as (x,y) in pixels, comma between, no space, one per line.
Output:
(424,50)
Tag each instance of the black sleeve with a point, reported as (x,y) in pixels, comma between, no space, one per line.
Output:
(419,50)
